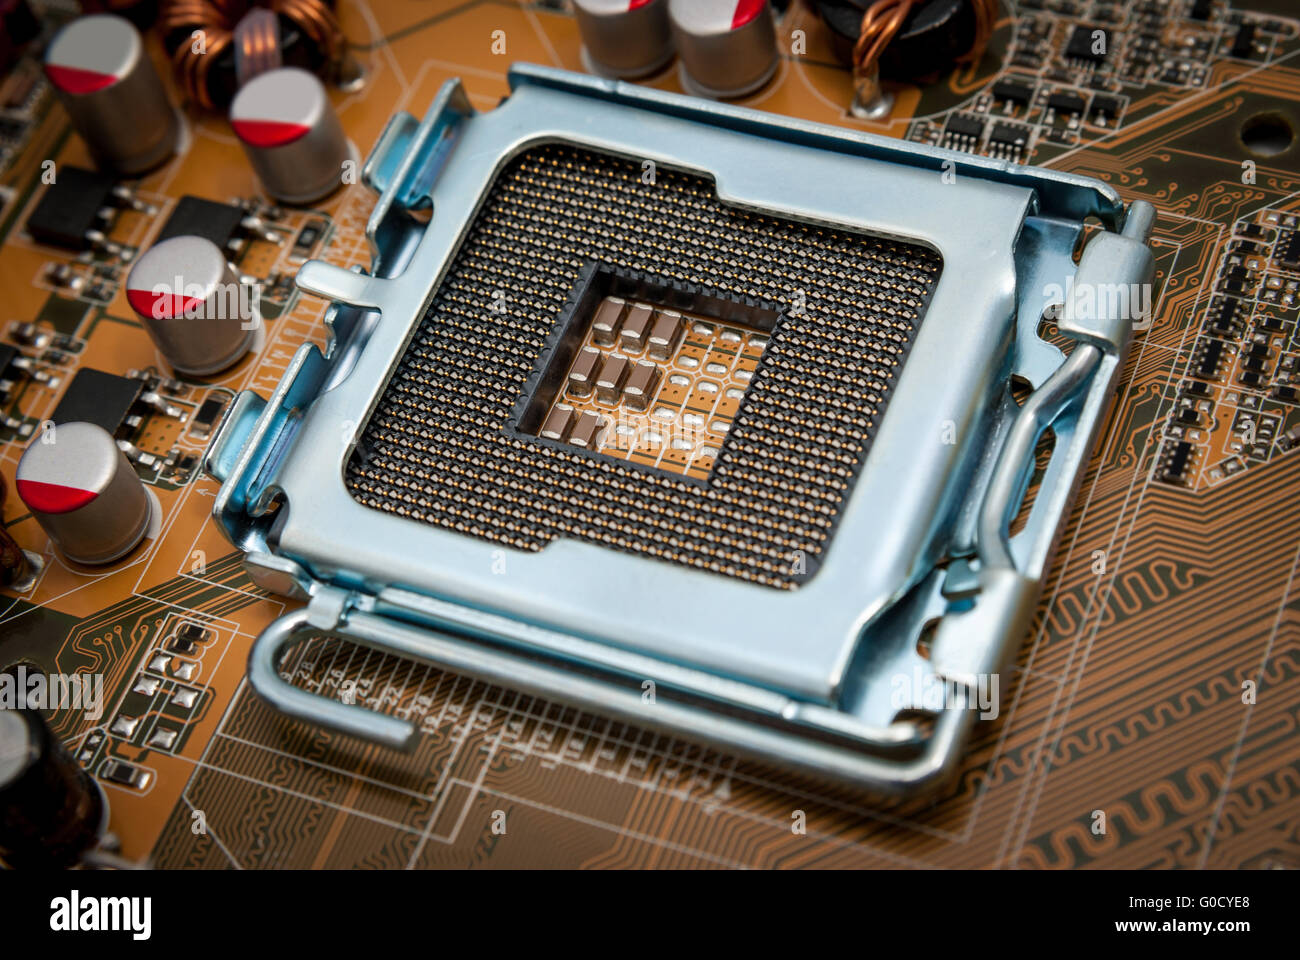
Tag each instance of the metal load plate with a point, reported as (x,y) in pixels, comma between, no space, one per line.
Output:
(829,321)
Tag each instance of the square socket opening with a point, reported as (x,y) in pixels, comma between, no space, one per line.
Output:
(646,371)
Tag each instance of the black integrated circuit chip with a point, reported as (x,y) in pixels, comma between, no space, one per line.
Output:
(1063,101)
(1178,458)
(1106,107)
(1011,135)
(71,208)
(1224,317)
(1013,91)
(1243,44)
(1288,251)
(1211,354)
(197,217)
(962,130)
(97,397)
(1088,43)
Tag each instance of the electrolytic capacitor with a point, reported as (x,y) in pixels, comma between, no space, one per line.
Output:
(624,38)
(291,134)
(108,85)
(84,493)
(727,48)
(197,312)
(51,810)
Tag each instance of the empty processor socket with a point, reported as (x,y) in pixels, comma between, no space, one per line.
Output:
(754,450)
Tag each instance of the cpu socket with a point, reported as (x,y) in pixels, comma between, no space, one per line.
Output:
(644,393)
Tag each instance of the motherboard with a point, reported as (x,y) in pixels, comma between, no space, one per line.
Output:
(697,399)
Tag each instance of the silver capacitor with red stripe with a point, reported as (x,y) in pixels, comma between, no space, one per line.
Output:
(624,38)
(107,83)
(84,493)
(291,134)
(726,48)
(200,316)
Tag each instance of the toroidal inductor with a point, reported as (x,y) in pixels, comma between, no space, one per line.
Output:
(208,40)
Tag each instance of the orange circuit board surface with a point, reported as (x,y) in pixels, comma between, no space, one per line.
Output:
(1156,687)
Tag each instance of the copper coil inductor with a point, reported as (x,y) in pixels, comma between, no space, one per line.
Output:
(207,44)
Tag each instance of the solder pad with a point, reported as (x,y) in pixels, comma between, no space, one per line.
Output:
(442,445)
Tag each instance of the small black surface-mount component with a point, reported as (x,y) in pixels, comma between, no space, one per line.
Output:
(1177,459)
(1011,135)
(1189,416)
(1211,354)
(310,235)
(1285,392)
(1197,388)
(1105,108)
(1200,10)
(1243,44)
(193,633)
(30,335)
(1063,101)
(124,774)
(1288,251)
(198,217)
(1226,309)
(206,415)
(962,130)
(1088,43)
(1014,91)
(183,645)
(70,214)
(97,397)
(7,375)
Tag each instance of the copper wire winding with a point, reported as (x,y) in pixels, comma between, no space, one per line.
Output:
(883,20)
(217,20)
